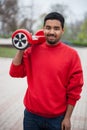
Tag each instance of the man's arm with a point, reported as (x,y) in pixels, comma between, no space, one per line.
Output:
(17,68)
(18,57)
(74,89)
(66,123)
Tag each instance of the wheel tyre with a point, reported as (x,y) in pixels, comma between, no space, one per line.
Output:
(20,41)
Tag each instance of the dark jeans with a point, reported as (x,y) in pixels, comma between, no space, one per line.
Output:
(35,122)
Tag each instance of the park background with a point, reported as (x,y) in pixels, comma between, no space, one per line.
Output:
(29,14)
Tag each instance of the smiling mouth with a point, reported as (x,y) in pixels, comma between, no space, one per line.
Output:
(51,37)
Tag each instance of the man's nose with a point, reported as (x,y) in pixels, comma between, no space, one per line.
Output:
(52,31)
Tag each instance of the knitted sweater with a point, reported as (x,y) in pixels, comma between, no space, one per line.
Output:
(54,77)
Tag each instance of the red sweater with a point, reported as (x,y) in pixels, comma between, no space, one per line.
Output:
(54,77)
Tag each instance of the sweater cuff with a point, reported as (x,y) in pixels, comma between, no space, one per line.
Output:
(14,70)
(15,66)
(72,102)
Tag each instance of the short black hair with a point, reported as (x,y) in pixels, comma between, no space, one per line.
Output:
(56,16)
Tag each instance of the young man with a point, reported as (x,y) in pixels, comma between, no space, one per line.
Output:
(54,78)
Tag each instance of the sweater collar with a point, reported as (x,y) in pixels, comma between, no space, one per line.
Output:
(52,46)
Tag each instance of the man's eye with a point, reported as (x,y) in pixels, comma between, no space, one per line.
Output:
(48,28)
(57,28)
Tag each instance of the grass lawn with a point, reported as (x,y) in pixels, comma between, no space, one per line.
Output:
(7,52)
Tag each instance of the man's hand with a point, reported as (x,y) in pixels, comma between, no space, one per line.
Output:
(66,124)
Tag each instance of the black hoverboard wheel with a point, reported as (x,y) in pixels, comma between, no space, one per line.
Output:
(20,41)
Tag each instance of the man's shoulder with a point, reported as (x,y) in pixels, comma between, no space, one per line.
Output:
(67,45)
(70,49)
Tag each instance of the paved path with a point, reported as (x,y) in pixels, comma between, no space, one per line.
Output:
(79,117)
(11,98)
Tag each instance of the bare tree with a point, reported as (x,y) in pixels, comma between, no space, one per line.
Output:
(8,16)
(61,8)
(26,17)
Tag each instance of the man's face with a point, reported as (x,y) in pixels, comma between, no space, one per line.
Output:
(53,31)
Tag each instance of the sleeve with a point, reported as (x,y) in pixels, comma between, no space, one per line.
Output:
(75,83)
(20,71)
(17,71)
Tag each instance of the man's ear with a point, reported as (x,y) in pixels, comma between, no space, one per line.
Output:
(63,31)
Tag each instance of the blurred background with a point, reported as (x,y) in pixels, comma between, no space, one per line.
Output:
(29,14)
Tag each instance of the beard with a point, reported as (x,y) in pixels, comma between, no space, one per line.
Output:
(53,40)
